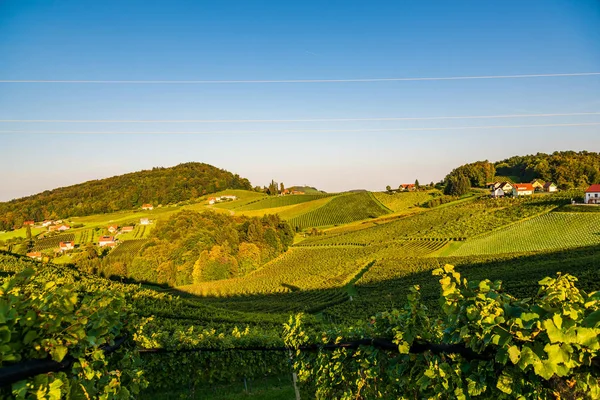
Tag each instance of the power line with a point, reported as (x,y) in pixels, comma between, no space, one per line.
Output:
(302,120)
(305,130)
(203,82)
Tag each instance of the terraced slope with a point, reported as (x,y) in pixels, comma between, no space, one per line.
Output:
(402,201)
(342,209)
(550,231)
(280,201)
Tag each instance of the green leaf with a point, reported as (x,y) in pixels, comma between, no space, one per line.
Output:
(515,354)
(505,383)
(58,353)
(554,334)
(545,369)
(592,320)
(5,334)
(30,337)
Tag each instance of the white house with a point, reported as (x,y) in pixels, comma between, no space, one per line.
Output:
(64,246)
(46,223)
(498,192)
(212,200)
(147,207)
(592,195)
(523,189)
(106,241)
(63,228)
(144,221)
(550,187)
(229,197)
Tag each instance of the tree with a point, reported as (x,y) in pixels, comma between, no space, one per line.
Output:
(273,188)
(417,186)
(29,238)
(281,188)
(388,188)
(457,185)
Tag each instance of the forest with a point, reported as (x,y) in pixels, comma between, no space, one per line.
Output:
(125,192)
(192,247)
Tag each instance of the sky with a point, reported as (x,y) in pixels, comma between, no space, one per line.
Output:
(283,40)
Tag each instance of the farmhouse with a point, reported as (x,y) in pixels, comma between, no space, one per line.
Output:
(523,189)
(538,185)
(106,241)
(147,207)
(498,192)
(35,255)
(144,221)
(64,246)
(550,187)
(28,223)
(506,186)
(47,223)
(407,186)
(592,195)
(126,229)
(60,228)
(212,200)
(113,228)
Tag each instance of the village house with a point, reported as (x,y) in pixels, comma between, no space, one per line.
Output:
(523,189)
(538,185)
(126,229)
(37,255)
(497,192)
(212,200)
(147,207)
(144,221)
(60,228)
(550,187)
(64,246)
(592,195)
(106,241)
(47,223)
(28,223)
(113,228)
(407,187)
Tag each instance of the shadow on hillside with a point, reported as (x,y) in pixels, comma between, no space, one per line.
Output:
(519,273)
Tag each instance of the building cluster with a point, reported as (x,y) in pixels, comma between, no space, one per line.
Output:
(213,200)
(502,189)
(287,192)
(407,187)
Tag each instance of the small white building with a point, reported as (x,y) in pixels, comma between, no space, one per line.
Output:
(144,221)
(64,246)
(550,187)
(498,192)
(592,195)
(63,228)
(106,241)
(147,207)
(47,223)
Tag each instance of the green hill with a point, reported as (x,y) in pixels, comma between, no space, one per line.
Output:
(125,192)
(280,201)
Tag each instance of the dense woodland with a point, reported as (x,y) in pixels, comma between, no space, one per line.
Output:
(192,247)
(567,169)
(157,186)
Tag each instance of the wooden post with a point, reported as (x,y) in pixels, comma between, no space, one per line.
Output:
(295,380)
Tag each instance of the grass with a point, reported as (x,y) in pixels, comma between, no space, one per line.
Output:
(550,231)
(244,197)
(280,201)
(22,232)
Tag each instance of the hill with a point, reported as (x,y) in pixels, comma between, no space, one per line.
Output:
(124,192)
(306,189)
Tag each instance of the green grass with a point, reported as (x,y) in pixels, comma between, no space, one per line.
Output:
(550,231)
(22,233)
(342,209)
(244,197)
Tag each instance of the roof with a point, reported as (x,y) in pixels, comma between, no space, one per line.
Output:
(147,205)
(34,254)
(548,184)
(594,189)
(65,244)
(106,239)
(523,186)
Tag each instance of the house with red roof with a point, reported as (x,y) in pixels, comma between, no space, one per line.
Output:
(113,228)
(106,241)
(147,207)
(212,200)
(28,223)
(60,228)
(126,229)
(592,195)
(407,187)
(523,189)
(37,255)
(64,246)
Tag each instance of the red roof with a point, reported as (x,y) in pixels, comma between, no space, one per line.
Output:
(594,189)
(106,239)
(523,186)
(28,223)
(66,244)
(34,254)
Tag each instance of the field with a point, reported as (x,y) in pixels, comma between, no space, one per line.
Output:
(403,200)
(280,201)
(556,230)
(22,233)
(342,210)
(52,242)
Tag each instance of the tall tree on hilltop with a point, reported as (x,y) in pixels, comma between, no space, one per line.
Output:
(281,188)
(417,186)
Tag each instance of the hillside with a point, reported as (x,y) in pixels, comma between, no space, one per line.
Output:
(125,192)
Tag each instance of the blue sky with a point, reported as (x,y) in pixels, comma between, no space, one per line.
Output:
(271,40)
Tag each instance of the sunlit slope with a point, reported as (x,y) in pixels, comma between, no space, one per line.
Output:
(342,209)
(404,200)
(547,232)
(280,201)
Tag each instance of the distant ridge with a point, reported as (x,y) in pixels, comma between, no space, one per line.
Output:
(124,192)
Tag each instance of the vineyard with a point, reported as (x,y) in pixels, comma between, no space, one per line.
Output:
(127,250)
(52,242)
(404,200)
(280,201)
(342,209)
(550,231)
